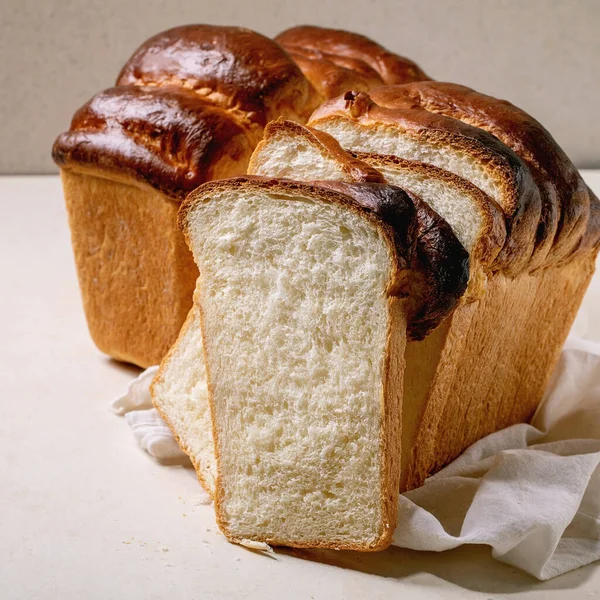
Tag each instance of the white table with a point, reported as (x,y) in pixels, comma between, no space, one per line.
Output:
(85,514)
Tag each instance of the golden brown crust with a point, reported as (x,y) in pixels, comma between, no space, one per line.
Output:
(232,67)
(492,377)
(521,199)
(333,75)
(391,68)
(167,138)
(357,170)
(135,271)
(565,201)
(493,231)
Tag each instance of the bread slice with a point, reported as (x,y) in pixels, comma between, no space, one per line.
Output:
(303,316)
(180,394)
(302,153)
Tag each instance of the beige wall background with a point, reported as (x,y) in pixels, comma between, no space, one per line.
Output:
(543,55)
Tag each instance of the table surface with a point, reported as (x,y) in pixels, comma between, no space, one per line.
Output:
(85,513)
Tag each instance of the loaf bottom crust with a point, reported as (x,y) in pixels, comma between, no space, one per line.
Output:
(136,274)
(493,360)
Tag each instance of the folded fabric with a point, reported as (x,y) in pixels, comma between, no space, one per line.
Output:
(147,426)
(531,491)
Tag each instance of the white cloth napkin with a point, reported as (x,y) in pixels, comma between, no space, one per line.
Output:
(531,492)
(148,428)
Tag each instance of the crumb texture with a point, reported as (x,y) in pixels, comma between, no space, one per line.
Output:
(295,315)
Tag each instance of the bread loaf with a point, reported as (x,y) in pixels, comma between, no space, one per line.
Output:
(314,297)
(189,106)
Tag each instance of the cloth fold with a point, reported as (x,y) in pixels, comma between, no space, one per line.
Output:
(531,491)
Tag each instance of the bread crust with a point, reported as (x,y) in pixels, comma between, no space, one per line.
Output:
(491,377)
(135,271)
(391,68)
(232,67)
(332,75)
(168,139)
(522,204)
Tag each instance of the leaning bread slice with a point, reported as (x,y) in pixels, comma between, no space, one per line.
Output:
(180,394)
(301,296)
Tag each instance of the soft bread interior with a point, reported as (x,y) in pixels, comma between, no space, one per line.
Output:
(453,205)
(393,141)
(293,156)
(295,316)
(180,394)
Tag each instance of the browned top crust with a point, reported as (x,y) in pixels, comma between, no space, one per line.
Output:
(420,240)
(522,204)
(357,170)
(392,69)
(167,138)
(233,67)
(332,75)
(565,197)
